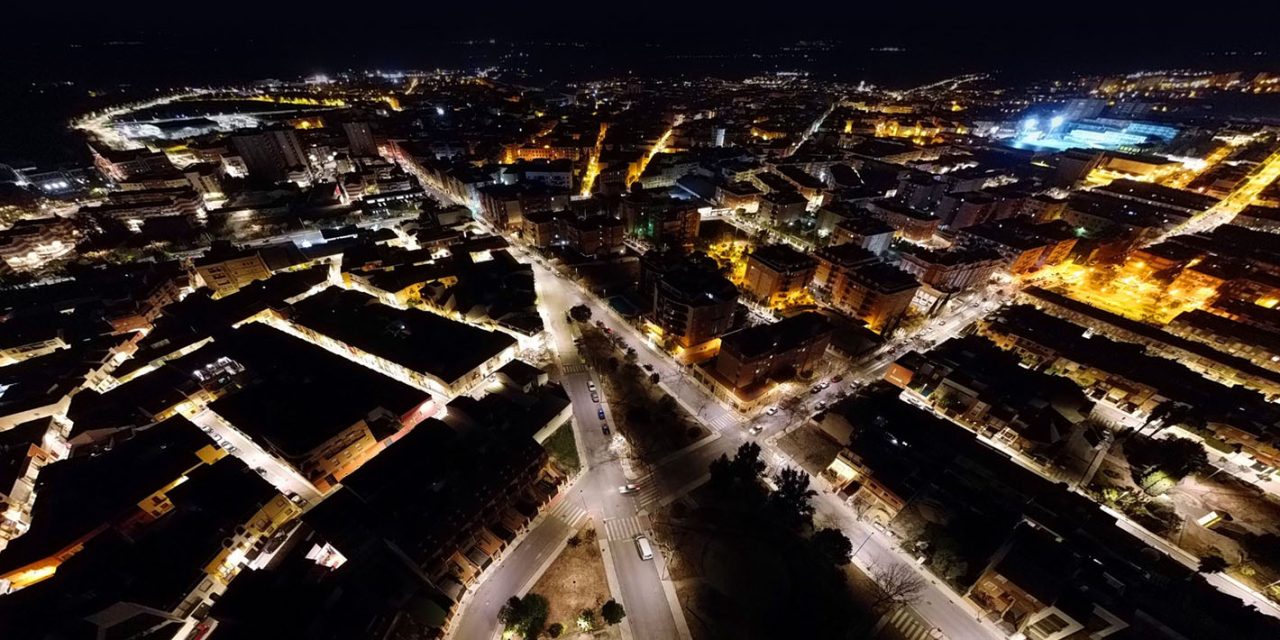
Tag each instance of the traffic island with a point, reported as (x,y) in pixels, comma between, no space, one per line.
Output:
(576,582)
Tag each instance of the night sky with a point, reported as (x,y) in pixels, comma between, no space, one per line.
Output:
(54,56)
(239,36)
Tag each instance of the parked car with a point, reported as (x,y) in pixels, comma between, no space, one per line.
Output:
(600,412)
(643,547)
(772,410)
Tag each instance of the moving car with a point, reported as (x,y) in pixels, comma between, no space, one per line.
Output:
(756,429)
(643,547)
(628,488)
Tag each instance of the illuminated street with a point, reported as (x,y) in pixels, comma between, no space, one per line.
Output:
(515,321)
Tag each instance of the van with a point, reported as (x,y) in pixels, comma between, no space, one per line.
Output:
(642,545)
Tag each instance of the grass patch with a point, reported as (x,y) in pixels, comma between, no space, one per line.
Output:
(564,448)
(575,581)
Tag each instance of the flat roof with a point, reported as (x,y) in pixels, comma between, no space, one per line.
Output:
(37,382)
(1152,333)
(81,493)
(418,340)
(780,336)
(297,395)
(846,254)
(1160,194)
(885,278)
(782,257)
(156,564)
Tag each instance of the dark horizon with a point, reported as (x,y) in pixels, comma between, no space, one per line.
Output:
(158,42)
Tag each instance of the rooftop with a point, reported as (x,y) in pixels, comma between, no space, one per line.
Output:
(782,258)
(781,336)
(296,396)
(421,341)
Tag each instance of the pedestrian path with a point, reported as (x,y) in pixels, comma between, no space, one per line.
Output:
(577,367)
(725,421)
(622,528)
(568,511)
(911,626)
(649,491)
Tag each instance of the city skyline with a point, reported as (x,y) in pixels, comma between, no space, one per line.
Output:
(673,323)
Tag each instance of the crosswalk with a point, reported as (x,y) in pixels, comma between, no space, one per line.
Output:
(649,491)
(725,421)
(622,528)
(568,511)
(911,626)
(577,367)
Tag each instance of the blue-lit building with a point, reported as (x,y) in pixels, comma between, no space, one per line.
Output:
(1110,134)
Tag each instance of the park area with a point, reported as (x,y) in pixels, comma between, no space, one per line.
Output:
(576,582)
(750,560)
(650,419)
(1232,526)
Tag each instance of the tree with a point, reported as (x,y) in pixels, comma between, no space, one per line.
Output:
(536,610)
(631,354)
(586,620)
(612,612)
(833,545)
(1212,563)
(1158,463)
(654,378)
(946,552)
(744,468)
(525,616)
(898,584)
(790,501)
(581,313)
(1263,549)
(747,465)
(511,613)
(555,630)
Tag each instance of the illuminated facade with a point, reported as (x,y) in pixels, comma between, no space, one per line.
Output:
(777,274)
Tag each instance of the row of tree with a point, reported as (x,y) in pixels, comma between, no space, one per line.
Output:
(527,617)
(789,503)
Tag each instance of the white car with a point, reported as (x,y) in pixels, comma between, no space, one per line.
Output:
(643,548)
(755,430)
(628,489)
(772,410)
